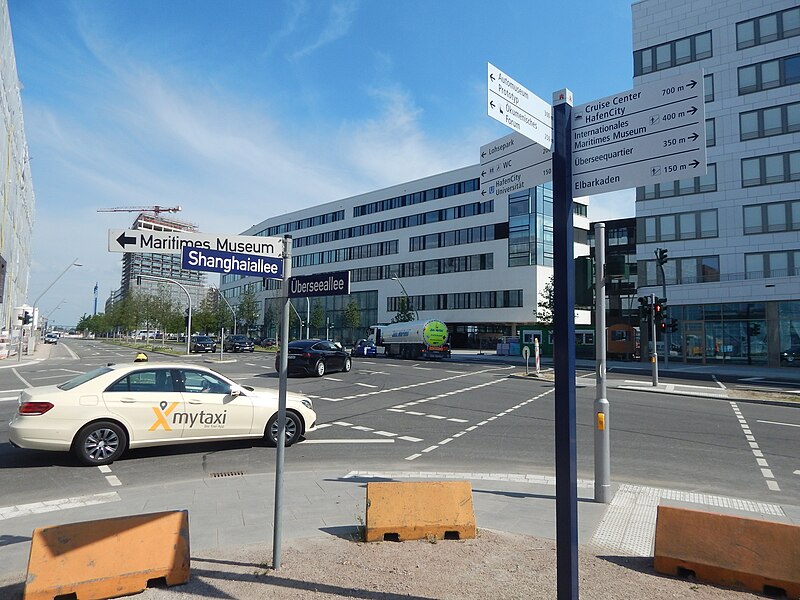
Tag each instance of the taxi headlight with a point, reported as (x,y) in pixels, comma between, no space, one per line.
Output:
(307,403)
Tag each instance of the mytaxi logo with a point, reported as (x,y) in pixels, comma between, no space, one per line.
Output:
(162,411)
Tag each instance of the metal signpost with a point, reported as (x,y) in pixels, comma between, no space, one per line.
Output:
(602,445)
(653,133)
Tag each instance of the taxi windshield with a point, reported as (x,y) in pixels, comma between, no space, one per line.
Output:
(83,378)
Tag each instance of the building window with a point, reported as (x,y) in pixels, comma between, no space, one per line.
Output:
(530,227)
(768,28)
(680,226)
(773,120)
(678,52)
(444,191)
(769,74)
(773,168)
(684,187)
(772,217)
(772,264)
(711,133)
(462,300)
(708,87)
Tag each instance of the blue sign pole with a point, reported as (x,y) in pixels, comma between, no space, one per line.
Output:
(564,352)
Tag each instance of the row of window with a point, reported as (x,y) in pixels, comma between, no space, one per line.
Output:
(768,28)
(316,221)
(772,264)
(772,217)
(766,122)
(437,266)
(458,237)
(772,168)
(769,74)
(434,216)
(683,187)
(463,300)
(345,254)
(680,226)
(671,54)
(444,191)
(693,269)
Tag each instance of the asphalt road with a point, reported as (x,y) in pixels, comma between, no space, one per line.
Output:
(452,416)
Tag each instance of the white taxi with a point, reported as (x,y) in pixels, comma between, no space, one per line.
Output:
(100,414)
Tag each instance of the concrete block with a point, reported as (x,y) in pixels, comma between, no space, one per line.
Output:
(401,511)
(758,555)
(108,558)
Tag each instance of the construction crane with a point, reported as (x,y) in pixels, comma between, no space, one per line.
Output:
(153,209)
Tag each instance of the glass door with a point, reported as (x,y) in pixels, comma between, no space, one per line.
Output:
(693,341)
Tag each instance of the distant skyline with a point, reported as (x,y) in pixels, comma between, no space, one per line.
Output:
(264,107)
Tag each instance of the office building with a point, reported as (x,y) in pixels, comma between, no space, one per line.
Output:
(732,235)
(16,220)
(477,262)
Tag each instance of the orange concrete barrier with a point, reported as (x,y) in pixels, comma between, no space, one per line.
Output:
(109,557)
(761,556)
(400,511)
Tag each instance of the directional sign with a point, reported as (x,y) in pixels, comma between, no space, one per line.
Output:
(216,261)
(173,242)
(335,283)
(652,133)
(513,163)
(519,108)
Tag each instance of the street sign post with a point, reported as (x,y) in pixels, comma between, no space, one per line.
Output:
(173,242)
(653,133)
(513,163)
(517,107)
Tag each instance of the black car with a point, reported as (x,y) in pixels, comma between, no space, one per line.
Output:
(238,343)
(791,356)
(315,357)
(202,343)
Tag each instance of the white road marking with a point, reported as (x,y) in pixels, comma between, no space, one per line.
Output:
(778,423)
(366,385)
(113,480)
(385,433)
(719,383)
(71,353)
(9,399)
(23,510)
(21,378)
(362,428)
(343,423)
(763,465)
(413,456)
(334,379)
(348,441)
(104,469)
(797,472)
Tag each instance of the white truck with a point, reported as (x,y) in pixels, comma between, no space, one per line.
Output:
(412,339)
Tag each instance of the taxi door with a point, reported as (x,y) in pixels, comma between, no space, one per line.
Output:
(212,411)
(148,402)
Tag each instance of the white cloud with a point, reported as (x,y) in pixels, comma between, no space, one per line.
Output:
(337,26)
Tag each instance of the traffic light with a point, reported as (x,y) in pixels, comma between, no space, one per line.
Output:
(644,308)
(672,326)
(26,318)
(186,317)
(660,309)
(584,281)
(661,256)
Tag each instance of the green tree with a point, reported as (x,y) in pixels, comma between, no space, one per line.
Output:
(352,318)
(404,312)
(318,317)
(247,310)
(546,305)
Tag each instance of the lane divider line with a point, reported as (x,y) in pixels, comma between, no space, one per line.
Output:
(762,463)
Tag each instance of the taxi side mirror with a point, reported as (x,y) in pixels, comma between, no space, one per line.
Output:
(236,391)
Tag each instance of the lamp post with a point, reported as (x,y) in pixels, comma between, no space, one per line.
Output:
(405,293)
(31,343)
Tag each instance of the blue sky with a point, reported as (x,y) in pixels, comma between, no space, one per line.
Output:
(242,110)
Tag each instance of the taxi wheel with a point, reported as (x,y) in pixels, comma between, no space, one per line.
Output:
(100,443)
(293,430)
(348,364)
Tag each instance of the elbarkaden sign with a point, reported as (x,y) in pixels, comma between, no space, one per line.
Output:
(217,261)
(335,283)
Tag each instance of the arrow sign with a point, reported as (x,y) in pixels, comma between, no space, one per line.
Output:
(518,108)
(513,163)
(124,239)
(650,134)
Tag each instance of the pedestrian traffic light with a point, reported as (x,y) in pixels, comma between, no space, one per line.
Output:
(186,317)
(26,318)
(660,309)
(584,281)
(662,327)
(661,256)
(644,308)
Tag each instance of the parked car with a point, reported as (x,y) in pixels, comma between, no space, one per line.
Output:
(237,343)
(365,348)
(791,355)
(202,343)
(315,357)
(267,342)
(189,403)
(51,338)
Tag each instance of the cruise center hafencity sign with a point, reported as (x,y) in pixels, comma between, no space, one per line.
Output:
(218,261)
(333,283)
(653,133)
(173,242)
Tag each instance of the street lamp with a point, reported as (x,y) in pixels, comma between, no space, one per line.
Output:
(74,263)
(408,299)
